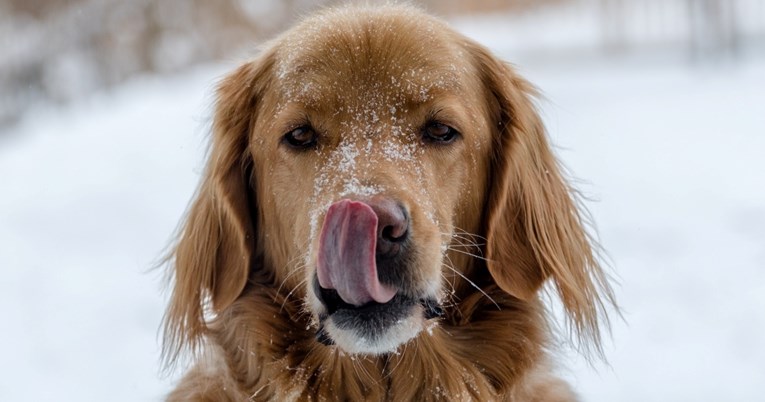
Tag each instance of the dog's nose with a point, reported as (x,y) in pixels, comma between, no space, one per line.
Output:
(392,225)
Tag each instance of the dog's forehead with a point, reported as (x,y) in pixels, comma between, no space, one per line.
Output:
(383,59)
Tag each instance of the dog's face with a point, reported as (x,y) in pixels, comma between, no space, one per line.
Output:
(373,146)
(351,164)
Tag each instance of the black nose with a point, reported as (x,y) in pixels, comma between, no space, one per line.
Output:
(392,226)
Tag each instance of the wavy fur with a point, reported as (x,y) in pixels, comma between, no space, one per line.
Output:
(239,301)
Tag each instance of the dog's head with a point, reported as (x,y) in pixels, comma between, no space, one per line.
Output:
(358,165)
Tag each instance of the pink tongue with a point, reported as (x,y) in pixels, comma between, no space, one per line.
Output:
(347,254)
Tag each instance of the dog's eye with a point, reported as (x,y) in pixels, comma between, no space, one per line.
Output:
(303,137)
(439,133)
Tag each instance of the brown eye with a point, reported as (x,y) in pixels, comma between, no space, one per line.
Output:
(439,133)
(303,137)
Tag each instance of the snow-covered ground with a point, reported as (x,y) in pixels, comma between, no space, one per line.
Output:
(672,154)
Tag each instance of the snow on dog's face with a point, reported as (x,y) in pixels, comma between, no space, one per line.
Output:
(371,145)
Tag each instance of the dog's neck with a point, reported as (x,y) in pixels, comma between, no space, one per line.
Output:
(477,351)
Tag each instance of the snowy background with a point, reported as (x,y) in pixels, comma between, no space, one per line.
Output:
(667,138)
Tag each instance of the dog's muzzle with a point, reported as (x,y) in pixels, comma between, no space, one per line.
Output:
(361,264)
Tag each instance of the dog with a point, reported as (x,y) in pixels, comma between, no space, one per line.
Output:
(378,218)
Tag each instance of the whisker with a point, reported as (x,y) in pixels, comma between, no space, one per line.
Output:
(464,240)
(468,234)
(390,372)
(468,240)
(287,297)
(482,258)
(359,366)
(252,397)
(450,282)
(295,270)
(474,285)
(468,246)
(298,267)
(453,294)
(465,232)
(458,243)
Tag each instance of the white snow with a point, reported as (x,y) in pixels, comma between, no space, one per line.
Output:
(671,153)
(89,195)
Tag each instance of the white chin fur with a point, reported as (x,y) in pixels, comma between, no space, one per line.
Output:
(393,337)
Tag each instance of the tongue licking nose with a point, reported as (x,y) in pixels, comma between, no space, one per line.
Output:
(346,260)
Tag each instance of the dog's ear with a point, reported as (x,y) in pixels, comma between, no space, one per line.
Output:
(534,229)
(214,252)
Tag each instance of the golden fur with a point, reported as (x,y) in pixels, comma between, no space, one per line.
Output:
(493,216)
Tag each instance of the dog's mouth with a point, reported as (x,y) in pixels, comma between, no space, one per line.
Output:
(371,321)
(360,313)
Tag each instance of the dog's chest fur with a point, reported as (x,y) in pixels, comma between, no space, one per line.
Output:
(269,353)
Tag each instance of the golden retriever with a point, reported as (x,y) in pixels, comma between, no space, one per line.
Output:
(378,216)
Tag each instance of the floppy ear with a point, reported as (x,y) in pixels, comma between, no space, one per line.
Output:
(534,228)
(214,252)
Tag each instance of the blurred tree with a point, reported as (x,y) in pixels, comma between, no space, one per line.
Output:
(60,50)
(713,27)
(707,28)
